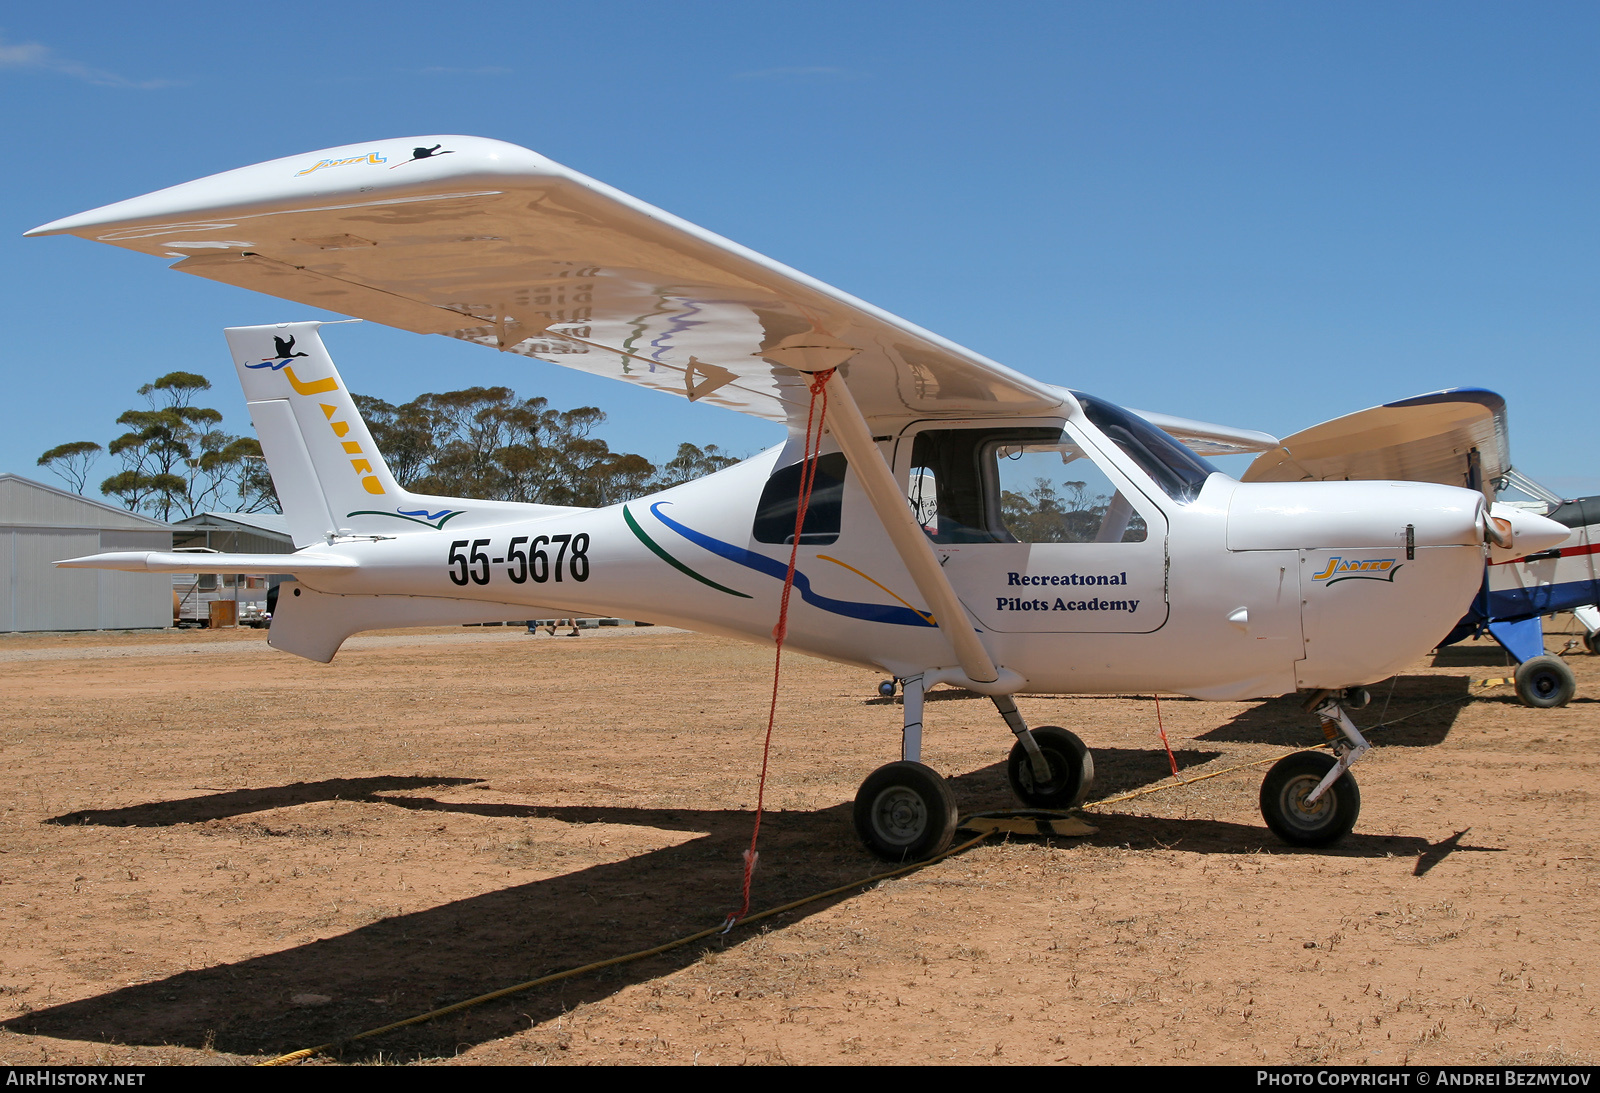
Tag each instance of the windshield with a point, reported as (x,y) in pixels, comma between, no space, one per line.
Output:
(1178,471)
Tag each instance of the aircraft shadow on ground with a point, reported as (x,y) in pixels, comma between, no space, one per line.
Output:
(1474,656)
(238,802)
(411,963)
(1407,711)
(938,694)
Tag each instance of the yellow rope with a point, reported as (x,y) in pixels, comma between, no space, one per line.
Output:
(1271,758)
(306,1053)
(1191,781)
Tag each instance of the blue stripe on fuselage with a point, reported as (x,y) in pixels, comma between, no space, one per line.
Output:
(867,612)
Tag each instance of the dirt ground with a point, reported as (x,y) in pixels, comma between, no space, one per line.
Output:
(212,852)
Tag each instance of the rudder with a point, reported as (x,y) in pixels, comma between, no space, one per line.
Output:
(324,464)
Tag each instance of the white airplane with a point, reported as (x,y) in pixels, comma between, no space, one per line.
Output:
(1053,543)
(1460,437)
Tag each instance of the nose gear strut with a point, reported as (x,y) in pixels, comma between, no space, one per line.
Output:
(1310,798)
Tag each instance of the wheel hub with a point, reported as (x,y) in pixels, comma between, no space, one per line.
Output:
(1057,770)
(1297,809)
(900,815)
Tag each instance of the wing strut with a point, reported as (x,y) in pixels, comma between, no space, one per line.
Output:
(849,428)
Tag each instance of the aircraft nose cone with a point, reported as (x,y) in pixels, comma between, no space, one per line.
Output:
(1530,532)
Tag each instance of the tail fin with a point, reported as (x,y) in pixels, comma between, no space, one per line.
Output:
(324,464)
(331,478)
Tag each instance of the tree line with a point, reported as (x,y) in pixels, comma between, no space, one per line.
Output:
(485,442)
(176,460)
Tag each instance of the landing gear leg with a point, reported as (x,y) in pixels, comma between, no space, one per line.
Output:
(1049,767)
(1310,798)
(911,732)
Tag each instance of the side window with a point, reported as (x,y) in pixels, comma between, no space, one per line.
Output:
(780,501)
(950,483)
(1022,485)
(1054,493)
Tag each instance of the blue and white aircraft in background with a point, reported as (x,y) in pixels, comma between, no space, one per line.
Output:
(1459,437)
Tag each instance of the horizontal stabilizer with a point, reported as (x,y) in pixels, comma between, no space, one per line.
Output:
(154,561)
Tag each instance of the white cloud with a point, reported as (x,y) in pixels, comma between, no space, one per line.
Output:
(22,56)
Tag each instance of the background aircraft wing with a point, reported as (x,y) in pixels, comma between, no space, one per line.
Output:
(1456,437)
(1206,438)
(492,243)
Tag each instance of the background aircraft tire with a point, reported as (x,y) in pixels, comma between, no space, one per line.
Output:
(905,812)
(1545,683)
(1071,770)
(1593,642)
(1283,795)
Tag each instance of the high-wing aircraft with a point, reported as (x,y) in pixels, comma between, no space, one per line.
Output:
(965,524)
(1460,437)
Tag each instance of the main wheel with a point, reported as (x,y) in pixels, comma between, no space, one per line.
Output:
(1071,770)
(905,812)
(1545,683)
(1592,641)
(1284,807)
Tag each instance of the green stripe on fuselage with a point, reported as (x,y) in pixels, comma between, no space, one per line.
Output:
(633,526)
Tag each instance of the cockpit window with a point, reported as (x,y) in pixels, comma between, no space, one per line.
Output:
(1054,493)
(1178,471)
(1020,485)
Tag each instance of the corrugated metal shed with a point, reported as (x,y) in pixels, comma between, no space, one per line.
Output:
(235,532)
(40,524)
(230,533)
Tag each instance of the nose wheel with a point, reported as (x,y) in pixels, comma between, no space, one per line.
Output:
(1290,812)
(1310,798)
(905,812)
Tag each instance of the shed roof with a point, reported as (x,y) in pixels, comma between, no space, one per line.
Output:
(26,503)
(270,522)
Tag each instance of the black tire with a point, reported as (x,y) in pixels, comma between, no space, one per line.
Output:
(1593,642)
(1545,683)
(1283,795)
(1071,770)
(905,812)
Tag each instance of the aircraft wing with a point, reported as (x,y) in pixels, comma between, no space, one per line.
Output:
(492,243)
(1456,437)
(1206,438)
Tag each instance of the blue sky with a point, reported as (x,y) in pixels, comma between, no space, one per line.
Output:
(1263,214)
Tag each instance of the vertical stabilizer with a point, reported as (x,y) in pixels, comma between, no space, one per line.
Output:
(324,464)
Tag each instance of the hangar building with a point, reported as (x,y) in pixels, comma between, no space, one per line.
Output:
(40,524)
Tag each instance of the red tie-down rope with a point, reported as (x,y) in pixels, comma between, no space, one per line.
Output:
(1163,729)
(815,416)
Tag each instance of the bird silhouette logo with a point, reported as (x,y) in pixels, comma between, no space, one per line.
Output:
(286,353)
(285,347)
(424,153)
